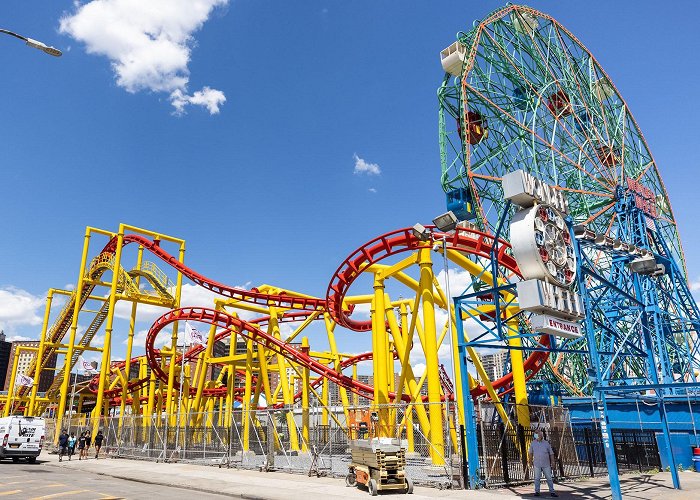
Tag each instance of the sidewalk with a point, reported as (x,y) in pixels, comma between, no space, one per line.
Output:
(282,486)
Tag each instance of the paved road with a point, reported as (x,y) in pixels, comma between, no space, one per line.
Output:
(41,481)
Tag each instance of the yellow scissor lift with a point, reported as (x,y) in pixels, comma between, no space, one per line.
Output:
(379,464)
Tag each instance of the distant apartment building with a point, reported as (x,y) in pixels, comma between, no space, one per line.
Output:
(5,348)
(25,360)
(494,364)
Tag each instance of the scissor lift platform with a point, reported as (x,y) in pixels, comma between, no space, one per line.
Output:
(379,464)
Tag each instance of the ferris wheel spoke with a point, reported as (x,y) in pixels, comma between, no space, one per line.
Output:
(557,78)
(599,213)
(543,141)
(532,88)
(575,63)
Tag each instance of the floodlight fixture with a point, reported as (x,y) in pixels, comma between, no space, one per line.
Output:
(643,265)
(582,232)
(446,222)
(52,51)
(421,232)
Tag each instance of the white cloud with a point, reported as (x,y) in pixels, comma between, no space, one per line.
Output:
(372,190)
(192,296)
(97,341)
(197,296)
(149,44)
(362,311)
(207,97)
(364,167)
(694,285)
(460,280)
(19,308)
(139,339)
(419,369)
(17,338)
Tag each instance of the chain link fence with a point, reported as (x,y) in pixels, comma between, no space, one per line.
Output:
(313,441)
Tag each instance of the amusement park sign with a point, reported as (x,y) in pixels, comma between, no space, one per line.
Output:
(555,326)
(525,190)
(544,250)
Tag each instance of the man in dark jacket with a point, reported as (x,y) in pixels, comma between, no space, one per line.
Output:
(98,443)
(62,445)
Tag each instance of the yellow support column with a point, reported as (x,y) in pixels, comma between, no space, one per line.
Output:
(171,395)
(264,374)
(109,326)
(230,380)
(355,396)
(248,394)
(129,344)
(11,388)
(305,388)
(342,392)
(518,370)
(409,430)
(202,373)
(437,448)
(151,404)
(324,401)
(287,393)
(40,353)
(71,339)
(403,344)
(379,344)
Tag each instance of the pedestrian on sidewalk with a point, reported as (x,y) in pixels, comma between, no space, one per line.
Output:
(71,445)
(81,446)
(541,457)
(88,443)
(98,443)
(62,445)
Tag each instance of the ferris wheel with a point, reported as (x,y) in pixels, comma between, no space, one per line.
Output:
(528,95)
(521,92)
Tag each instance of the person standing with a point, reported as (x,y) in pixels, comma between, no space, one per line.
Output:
(81,446)
(541,457)
(98,443)
(71,445)
(88,443)
(62,445)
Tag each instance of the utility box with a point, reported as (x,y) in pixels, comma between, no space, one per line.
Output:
(680,447)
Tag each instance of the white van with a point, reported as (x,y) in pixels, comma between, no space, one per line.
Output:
(21,437)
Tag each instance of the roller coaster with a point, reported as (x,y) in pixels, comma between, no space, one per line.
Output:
(262,334)
(520,93)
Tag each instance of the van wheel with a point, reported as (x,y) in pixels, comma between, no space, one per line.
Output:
(15,460)
(31,460)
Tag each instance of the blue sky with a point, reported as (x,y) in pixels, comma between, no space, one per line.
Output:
(262,185)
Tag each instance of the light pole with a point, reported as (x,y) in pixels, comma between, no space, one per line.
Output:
(52,51)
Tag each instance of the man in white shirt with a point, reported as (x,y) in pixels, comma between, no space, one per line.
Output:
(541,458)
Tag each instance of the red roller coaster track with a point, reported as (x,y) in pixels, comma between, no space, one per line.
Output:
(464,240)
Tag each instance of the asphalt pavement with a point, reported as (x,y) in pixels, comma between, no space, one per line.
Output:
(134,479)
(42,481)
